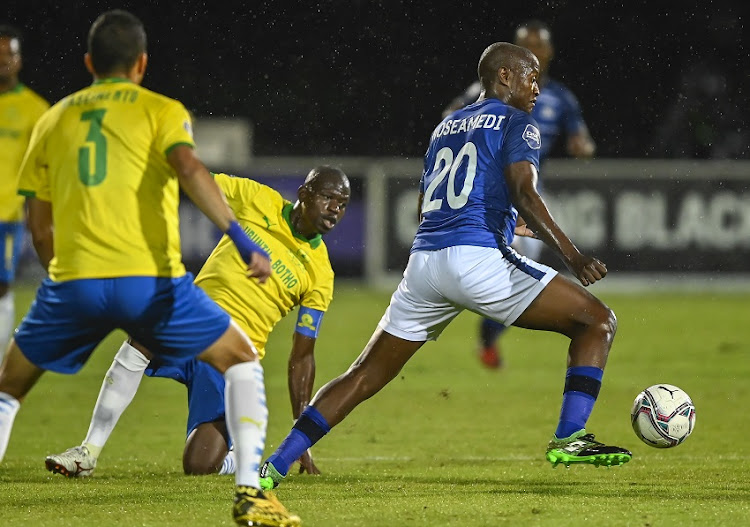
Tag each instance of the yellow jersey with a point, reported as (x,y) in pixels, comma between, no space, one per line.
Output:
(100,157)
(301,272)
(20,108)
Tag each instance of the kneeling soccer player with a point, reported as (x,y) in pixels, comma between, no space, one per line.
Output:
(302,276)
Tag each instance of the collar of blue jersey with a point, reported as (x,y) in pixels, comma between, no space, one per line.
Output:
(15,89)
(287,213)
(112,80)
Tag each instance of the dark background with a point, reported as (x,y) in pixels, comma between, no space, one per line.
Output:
(366,77)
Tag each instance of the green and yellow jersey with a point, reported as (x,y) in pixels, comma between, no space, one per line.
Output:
(301,272)
(100,157)
(20,109)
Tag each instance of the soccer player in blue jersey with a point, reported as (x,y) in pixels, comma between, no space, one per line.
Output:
(102,175)
(480,172)
(558,114)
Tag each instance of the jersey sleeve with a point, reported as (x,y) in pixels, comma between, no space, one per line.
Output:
(314,304)
(33,176)
(522,140)
(38,109)
(175,128)
(239,191)
(573,116)
(320,294)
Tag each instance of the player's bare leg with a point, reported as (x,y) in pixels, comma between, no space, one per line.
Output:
(205,449)
(246,419)
(567,308)
(17,377)
(7,316)
(382,359)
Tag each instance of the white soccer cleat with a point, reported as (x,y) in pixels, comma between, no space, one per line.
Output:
(75,462)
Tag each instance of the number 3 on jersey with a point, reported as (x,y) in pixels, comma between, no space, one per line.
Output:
(96,141)
(446,163)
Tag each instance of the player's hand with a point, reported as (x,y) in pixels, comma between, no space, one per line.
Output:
(523,230)
(306,463)
(587,269)
(259,267)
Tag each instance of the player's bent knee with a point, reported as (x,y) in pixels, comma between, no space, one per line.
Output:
(233,347)
(199,467)
(17,374)
(605,322)
(205,449)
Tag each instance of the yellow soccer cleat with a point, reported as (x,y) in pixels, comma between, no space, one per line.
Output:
(255,508)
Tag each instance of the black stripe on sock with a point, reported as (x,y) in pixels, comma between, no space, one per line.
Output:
(584,384)
(308,427)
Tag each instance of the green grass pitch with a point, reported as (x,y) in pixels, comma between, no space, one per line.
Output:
(447,443)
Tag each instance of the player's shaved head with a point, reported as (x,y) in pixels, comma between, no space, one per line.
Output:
(535,36)
(324,175)
(116,40)
(10,57)
(323,198)
(11,33)
(502,55)
(533,26)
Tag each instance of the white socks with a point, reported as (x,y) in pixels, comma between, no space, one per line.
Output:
(118,389)
(247,417)
(7,321)
(9,406)
(229,465)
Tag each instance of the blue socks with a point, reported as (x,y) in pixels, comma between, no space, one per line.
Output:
(308,430)
(489,331)
(582,384)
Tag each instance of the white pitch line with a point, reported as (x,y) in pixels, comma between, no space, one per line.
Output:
(391,459)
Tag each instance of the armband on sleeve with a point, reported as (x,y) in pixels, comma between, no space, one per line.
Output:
(308,322)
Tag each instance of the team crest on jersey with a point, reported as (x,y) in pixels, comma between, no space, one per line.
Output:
(532,137)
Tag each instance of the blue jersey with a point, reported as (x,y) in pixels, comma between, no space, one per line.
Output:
(557,111)
(466,200)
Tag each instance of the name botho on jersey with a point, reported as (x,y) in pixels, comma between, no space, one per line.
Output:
(466,200)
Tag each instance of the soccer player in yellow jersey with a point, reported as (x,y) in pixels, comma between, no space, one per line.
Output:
(102,174)
(302,276)
(20,108)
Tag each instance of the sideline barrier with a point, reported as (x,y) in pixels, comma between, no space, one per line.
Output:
(657,224)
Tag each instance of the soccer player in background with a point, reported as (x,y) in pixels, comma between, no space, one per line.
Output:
(558,113)
(302,276)
(20,108)
(480,174)
(102,175)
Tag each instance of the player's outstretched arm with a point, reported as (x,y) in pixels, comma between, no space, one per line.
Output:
(301,370)
(521,177)
(200,187)
(581,145)
(42,229)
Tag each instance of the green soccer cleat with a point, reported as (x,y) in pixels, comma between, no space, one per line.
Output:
(582,448)
(269,476)
(254,508)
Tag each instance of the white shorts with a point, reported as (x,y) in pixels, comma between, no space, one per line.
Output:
(438,285)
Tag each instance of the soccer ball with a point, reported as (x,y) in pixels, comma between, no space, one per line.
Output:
(663,416)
